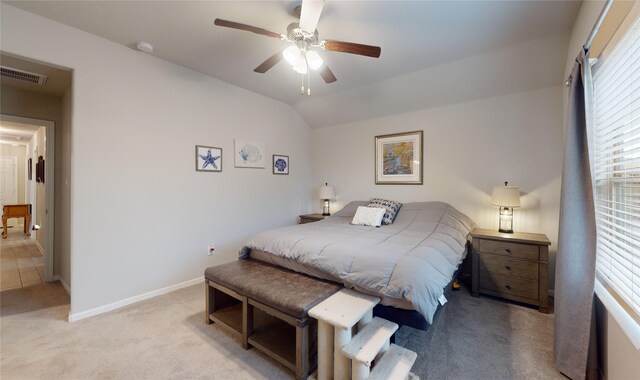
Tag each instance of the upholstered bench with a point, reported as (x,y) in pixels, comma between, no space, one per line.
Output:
(266,307)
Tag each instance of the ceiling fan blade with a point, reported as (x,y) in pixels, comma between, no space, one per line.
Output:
(352,48)
(327,74)
(310,14)
(269,63)
(248,28)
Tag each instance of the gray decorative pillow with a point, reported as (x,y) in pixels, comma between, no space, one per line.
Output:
(392,208)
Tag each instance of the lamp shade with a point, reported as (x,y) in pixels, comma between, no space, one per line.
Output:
(327,192)
(505,196)
(314,60)
(291,54)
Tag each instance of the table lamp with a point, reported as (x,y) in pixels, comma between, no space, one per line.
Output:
(326,194)
(506,197)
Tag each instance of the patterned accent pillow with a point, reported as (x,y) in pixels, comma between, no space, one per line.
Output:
(392,208)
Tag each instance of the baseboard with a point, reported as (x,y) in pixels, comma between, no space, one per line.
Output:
(40,247)
(64,284)
(128,301)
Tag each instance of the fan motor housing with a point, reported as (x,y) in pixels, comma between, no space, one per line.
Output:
(295,33)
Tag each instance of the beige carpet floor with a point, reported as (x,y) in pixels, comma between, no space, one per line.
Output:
(166,338)
(161,338)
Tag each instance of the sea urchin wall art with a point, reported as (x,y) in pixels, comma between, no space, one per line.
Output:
(280,164)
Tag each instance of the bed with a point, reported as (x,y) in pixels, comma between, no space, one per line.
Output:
(408,263)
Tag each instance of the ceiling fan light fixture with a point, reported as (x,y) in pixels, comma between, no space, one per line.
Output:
(291,55)
(314,60)
(300,67)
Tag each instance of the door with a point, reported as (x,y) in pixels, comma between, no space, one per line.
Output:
(9,183)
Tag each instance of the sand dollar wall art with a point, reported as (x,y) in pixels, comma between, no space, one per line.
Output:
(249,154)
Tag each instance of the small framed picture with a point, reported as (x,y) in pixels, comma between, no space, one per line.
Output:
(208,159)
(280,164)
(249,154)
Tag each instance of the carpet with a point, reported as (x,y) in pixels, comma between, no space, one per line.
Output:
(166,338)
(483,338)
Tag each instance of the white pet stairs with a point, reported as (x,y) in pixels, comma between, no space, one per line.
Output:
(342,356)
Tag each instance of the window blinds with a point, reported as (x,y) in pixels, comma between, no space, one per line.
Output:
(616,171)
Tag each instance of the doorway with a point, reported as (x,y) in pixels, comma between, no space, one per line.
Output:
(37,189)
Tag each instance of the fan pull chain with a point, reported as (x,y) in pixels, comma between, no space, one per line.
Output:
(302,84)
(306,62)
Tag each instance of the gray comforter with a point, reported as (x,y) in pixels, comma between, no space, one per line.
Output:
(411,260)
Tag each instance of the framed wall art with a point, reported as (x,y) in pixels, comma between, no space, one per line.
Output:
(40,170)
(398,159)
(280,164)
(249,154)
(208,159)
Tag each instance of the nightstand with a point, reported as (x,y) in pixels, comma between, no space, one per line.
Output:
(310,218)
(512,266)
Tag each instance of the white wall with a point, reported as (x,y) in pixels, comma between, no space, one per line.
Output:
(618,358)
(141,216)
(468,148)
(62,242)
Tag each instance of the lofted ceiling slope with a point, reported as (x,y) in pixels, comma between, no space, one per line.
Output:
(418,39)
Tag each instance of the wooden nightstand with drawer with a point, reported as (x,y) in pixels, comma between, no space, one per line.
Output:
(512,266)
(310,218)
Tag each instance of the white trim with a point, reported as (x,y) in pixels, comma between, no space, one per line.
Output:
(40,249)
(128,301)
(630,327)
(63,283)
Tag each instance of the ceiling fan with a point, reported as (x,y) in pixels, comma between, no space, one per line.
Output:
(303,36)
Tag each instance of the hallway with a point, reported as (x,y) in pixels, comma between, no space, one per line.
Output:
(21,262)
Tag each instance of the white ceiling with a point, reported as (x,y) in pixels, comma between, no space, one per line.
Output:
(413,35)
(16,133)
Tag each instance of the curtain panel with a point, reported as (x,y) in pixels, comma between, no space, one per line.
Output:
(576,257)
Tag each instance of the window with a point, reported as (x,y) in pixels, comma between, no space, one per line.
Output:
(616,168)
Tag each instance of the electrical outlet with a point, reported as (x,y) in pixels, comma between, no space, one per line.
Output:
(211,249)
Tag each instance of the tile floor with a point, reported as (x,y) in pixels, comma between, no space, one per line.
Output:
(21,262)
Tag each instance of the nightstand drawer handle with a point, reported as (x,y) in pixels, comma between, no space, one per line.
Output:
(508,250)
(507,286)
(507,266)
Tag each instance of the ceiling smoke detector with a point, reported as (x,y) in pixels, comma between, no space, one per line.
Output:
(144,47)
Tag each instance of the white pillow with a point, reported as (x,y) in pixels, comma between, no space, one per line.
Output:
(368,216)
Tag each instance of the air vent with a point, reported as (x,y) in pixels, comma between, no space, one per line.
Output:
(23,76)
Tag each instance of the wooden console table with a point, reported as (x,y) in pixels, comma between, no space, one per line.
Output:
(16,211)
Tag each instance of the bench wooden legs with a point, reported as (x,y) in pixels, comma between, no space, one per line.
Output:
(209,302)
(302,349)
(236,313)
(247,324)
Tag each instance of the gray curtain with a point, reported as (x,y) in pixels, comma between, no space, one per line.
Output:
(575,260)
